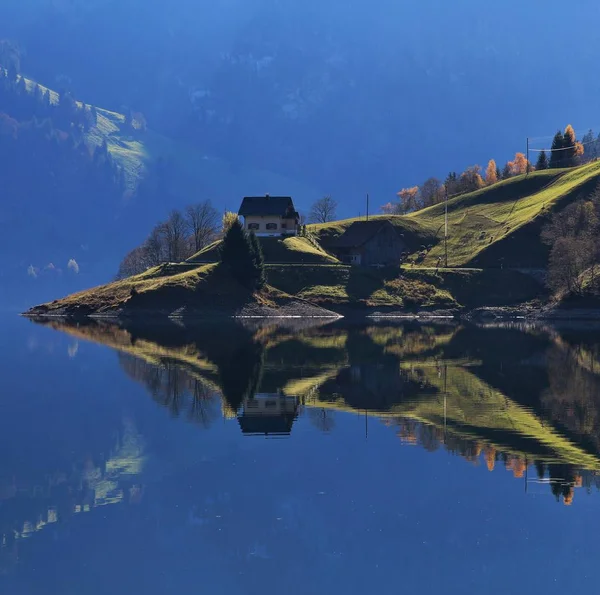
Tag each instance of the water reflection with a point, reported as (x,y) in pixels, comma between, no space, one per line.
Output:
(525,398)
(259,453)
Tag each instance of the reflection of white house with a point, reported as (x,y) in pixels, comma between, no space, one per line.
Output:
(269,215)
(268,414)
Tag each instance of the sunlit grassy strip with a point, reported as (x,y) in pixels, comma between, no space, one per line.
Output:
(302,387)
(193,363)
(299,244)
(30,85)
(480,219)
(292,250)
(335,342)
(117,293)
(341,225)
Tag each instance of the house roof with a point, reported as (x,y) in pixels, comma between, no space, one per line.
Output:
(276,425)
(359,233)
(262,206)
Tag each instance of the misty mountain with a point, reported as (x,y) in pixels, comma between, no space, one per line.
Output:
(368,96)
(340,99)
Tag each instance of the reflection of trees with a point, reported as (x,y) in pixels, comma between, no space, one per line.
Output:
(175,389)
(562,479)
(572,398)
(240,373)
(322,419)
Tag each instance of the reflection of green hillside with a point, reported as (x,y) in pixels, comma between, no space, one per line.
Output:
(467,407)
(474,409)
(464,381)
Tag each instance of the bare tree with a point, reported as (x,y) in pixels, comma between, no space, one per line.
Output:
(432,192)
(321,419)
(135,262)
(201,223)
(323,210)
(155,246)
(174,234)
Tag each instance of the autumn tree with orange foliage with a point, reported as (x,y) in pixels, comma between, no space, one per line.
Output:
(471,180)
(408,201)
(491,176)
(520,165)
(569,147)
(489,454)
(517,465)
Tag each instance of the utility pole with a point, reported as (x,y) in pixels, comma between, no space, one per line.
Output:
(446,226)
(527,165)
(367,206)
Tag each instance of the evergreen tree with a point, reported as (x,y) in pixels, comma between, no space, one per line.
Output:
(589,142)
(542,162)
(258,262)
(506,172)
(236,255)
(498,173)
(556,154)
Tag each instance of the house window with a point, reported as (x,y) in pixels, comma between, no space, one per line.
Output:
(253,225)
(284,226)
(271,226)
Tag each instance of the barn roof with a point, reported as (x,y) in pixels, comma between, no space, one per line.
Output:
(265,206)
(359,233)
(274,425)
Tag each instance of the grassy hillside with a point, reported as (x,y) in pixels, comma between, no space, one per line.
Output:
(343,285)
(413,232)
(494,226)
(501,224)
(190,174)
(206,290)
(292,250)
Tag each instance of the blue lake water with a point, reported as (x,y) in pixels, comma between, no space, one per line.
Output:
(262,459)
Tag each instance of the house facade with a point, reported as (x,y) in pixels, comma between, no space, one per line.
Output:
(269,215)
(268,414)
(369,243)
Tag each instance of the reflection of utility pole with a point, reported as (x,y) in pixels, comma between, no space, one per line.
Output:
(366,425)
(526,465)
(445,396)
(446,226)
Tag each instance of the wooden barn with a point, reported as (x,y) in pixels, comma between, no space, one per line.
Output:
(369,243)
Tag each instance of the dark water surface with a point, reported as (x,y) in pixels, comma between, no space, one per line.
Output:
(332,459)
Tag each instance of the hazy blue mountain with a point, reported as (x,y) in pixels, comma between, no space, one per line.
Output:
(371,95)
(346,98)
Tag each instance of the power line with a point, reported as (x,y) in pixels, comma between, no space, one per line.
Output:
(591,142)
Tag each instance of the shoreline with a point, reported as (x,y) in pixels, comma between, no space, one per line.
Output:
(481,314)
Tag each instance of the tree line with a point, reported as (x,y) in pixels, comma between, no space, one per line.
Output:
(573,235)
(177,238)
(566,151)
(185,233)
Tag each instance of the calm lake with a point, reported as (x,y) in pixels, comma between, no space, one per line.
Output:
(308,458)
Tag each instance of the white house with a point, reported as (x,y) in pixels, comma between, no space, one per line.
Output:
(269,215)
